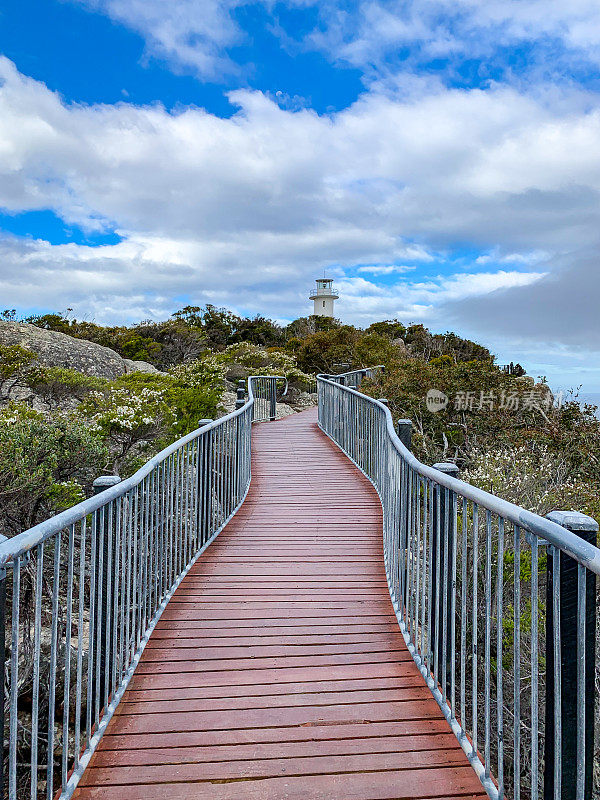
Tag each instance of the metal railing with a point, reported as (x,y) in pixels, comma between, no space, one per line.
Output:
(496,604)
(84,590)
(355,376)
(323,291)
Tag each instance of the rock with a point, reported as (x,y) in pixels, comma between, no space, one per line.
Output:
(226,404)
(526,380)
(54,349)
(283,410)
(400,344)
(304,400)
(140,366)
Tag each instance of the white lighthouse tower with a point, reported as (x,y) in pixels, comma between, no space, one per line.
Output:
(323,297)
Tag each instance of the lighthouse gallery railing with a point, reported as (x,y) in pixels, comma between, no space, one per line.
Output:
(476,585)
(84,590)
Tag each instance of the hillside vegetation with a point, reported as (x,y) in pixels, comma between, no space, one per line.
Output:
(60,427)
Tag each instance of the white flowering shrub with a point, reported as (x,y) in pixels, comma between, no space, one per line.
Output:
(529,475)
(204,373)
(128,418)
(265,361)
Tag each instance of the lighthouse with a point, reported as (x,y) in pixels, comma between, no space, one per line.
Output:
(323,297)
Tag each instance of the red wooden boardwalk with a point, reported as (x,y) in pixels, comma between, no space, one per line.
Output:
(278,669)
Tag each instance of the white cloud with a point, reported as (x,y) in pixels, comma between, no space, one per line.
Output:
(376,30)
(246,211)
(187,33)
(195,36)
(393,269)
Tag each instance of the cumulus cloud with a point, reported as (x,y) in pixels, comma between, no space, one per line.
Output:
(245,211)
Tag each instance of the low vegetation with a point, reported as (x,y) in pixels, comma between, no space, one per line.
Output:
(202,352)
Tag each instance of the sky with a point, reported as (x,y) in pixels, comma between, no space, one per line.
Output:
(440,159)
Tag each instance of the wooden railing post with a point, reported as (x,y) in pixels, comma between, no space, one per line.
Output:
(586,528)
(442,576)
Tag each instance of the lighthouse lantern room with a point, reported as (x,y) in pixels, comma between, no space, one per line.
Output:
(323,297)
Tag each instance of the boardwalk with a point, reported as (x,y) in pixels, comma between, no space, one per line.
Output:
(278,670)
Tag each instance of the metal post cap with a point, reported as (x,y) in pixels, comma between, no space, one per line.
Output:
(105,482)
(404,422)
(384,400)
(203,422)
(448,467)
(573,520)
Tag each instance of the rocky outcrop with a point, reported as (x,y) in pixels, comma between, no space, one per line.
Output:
(54,349)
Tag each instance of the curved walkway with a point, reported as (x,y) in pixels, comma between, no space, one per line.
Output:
(278,669)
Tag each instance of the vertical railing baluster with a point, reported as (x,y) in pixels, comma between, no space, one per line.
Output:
(517,665)
(14,680)
(499,659)
(53,660)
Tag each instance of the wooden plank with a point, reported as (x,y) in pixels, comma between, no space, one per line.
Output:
(450,783)
(270,768)
(255,751)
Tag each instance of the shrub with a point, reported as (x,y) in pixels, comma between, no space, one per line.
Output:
(46,465)
(14,364)
(129,420)
(57,384)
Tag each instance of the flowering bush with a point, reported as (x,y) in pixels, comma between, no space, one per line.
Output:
(46,465)
(259,360)
(128,418)
(205,373)
(14,364)
(533,476)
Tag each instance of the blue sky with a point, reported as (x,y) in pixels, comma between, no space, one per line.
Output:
(440,159)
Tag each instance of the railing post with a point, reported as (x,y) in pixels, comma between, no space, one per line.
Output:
(442,577)
(404,429)
(2,664)
(572,658)
(105,534)
(240,394)
(273,399)
(204,489)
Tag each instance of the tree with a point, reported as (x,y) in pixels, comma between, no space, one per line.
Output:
(391,328)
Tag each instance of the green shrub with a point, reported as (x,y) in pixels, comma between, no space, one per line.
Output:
(46,465)
(57,384)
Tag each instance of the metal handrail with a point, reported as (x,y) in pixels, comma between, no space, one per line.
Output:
(448,551)
(354,377)
(101,573)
